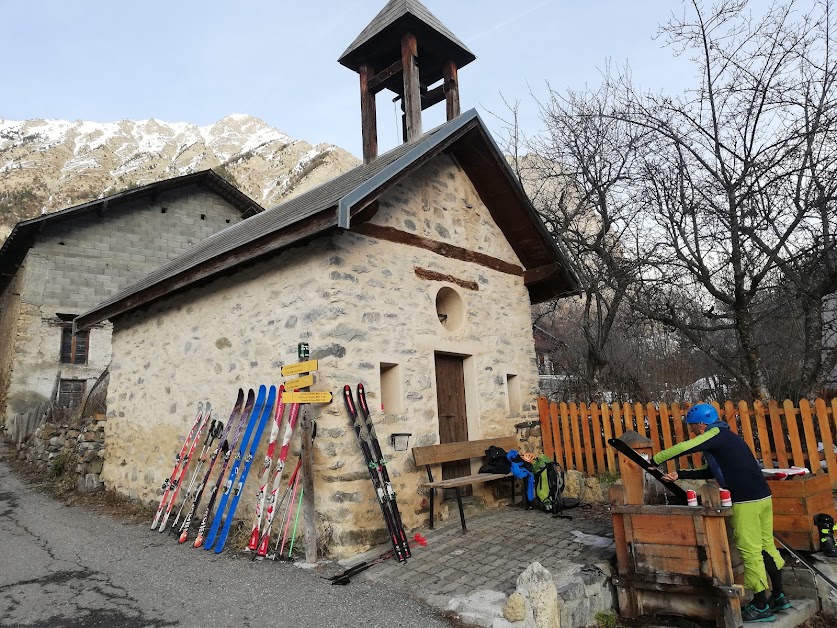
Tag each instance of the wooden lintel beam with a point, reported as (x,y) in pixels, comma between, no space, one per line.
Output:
(376,83)
(391,234)
(535,275)
(432,275)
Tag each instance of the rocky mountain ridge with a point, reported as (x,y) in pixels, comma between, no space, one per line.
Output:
(48,165)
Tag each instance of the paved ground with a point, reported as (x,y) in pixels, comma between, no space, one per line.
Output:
(70,567)
(64,566)
(497,547)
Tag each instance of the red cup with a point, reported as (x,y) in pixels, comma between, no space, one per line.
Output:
(691,498)
(726,498)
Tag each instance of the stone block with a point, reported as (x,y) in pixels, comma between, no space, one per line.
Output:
(515,608)
(95,467)
(89,483)
(538,589)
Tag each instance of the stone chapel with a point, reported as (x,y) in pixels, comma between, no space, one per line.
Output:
(414,271)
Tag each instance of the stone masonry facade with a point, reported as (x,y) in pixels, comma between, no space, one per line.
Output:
(77,263)
(360,303)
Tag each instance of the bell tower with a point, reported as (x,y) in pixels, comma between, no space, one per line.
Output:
(407,50)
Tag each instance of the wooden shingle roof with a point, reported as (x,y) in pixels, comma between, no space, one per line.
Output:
(379,43)
(333,205)
(14,249)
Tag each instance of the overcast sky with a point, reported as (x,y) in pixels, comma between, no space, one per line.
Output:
(198,61)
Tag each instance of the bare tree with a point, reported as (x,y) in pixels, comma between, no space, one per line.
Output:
(738,185)
(578,172)
(711,212)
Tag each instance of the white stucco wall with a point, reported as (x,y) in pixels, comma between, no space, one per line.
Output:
(358,302)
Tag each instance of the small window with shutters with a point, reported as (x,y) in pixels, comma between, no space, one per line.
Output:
(74,346)
(71,392)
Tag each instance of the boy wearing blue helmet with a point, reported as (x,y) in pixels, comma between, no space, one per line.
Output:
(731,463)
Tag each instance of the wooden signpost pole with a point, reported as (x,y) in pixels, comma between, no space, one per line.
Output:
(305,368)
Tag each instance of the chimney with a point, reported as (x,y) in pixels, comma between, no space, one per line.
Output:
(407,50)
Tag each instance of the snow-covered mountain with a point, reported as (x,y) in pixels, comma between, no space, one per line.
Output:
(47,165)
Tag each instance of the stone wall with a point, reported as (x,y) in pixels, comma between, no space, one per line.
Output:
(72,449)
(9,310)
(360,304)
(77,263)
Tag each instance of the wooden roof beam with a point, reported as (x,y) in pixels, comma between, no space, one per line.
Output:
(536,275)
(433,97)
(376,83)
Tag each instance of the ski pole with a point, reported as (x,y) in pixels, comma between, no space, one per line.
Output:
(288,518)
(344,576)
(809,566)
(296,521)
(264,540)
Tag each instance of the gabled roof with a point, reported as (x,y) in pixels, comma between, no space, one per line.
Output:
(337,203)
(20,239)
(380,42)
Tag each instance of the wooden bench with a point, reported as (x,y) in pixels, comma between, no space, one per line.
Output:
(454,452)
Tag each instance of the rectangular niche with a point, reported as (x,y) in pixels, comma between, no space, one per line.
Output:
(391,397)
(513,394)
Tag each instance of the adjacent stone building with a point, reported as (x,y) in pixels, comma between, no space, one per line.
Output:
(414,270)
(56,266)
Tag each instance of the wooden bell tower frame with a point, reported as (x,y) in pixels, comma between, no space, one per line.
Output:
(406,49)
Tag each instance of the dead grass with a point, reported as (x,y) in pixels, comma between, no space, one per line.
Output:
(819,621)
(59,481)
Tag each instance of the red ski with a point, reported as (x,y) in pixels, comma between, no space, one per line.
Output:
(168,484)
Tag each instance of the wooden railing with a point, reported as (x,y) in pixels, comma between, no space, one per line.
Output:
(779,434)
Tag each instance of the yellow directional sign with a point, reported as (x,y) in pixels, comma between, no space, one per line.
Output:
(301,367)
(306,397)
(299,382)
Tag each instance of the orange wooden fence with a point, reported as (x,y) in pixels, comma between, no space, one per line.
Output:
(779,434)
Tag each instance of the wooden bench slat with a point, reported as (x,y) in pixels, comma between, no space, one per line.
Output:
(450,452)
(470,479)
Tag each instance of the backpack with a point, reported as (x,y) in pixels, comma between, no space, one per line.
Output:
(549,484)
(496,461)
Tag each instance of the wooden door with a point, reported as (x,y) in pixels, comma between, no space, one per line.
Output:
(453,420)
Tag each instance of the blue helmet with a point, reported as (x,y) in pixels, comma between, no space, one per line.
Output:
(702,413)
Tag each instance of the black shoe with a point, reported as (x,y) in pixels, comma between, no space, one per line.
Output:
(752,614)
(779,602)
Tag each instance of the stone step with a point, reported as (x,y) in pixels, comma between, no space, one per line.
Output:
(803,610)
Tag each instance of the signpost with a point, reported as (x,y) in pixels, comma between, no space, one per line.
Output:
(293,394)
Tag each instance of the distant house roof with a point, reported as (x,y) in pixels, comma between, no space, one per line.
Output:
(380,42)
(337,203)
(20,239)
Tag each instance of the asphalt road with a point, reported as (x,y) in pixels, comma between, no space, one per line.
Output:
(68,567)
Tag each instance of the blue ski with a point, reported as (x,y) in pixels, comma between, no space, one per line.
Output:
(219,513)
(254,445)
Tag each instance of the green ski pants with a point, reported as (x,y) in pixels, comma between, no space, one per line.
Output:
(752,523)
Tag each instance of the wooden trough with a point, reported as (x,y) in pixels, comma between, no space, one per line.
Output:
(795,502)
(673,560)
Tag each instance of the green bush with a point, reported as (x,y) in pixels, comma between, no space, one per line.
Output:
(606,620)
